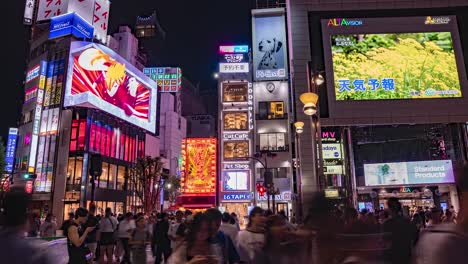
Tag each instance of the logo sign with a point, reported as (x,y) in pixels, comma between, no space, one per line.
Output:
(33,73)
(236,166)
(403,173)
(28,12)
(332,193)
(331,136)
(269,44)
(237,196)
(70,23)
(28,187)
(437,20)
(168,79)
(283,196)
(235,136)
(10,149)
(233,58)
(331,151)
(250,102)
(344,22)
(234,49)
(234,67)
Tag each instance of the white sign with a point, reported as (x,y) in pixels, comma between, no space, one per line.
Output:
(236,136)
(50,8)
(236,166)
(283,196)
(250,98)
(28,12)
(100,20)
(84,8)
(331,151)
(234,67)
(334,169)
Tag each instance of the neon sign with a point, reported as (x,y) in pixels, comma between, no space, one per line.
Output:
(340,22)
(234,49)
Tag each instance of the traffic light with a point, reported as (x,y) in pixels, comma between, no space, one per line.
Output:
(261,191)
(29,176)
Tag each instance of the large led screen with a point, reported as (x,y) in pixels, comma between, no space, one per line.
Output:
(100,78)
(416,172)
(411,59)
(199,166)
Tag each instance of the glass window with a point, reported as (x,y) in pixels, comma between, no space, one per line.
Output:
(277,172)
(81,135)
(104,176)
(235,92)
(78,171)
(273,142)
(271,110)
(120,177)
(236,149)
(112,174)
(70,170)
(235,121)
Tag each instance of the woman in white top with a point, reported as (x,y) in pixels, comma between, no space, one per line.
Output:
(251,241)
(107,227)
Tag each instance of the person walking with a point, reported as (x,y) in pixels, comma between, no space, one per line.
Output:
(107,227)
(126,227)
(251,241)
(160,239)
(218,238)
(172,233)
(49,227)
(139,238)
(76,235)
(227,228)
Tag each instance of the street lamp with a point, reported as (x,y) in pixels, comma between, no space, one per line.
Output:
(299,127)
(310,103)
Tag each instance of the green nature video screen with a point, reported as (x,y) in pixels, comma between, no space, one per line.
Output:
(395,66)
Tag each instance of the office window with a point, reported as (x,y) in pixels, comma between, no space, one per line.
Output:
(270,110)
(235,121)
(277,172)
(273,142)
(236,149)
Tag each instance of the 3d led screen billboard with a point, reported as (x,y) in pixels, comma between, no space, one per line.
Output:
(406,173)
(100,78)
(393,58)
(199,166)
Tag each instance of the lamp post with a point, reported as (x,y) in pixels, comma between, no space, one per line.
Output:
(299,129)
(267,175)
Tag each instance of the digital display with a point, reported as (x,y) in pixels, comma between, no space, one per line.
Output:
(416,172)
(393,58)
(199,166)
(168,79)
(100,78)
(236,180)
(10,149)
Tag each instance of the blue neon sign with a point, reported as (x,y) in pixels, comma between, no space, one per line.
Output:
(237,196)
(10,149)
(70,23)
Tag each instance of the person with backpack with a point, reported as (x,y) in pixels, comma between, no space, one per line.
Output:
(218,238)
(76,235)
(107,227)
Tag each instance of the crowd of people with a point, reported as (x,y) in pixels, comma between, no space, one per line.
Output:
(328,235)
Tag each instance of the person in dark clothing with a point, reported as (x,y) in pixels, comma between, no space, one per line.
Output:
(91,239)
(67,222)
(403,234)
(225,243)
(160,239)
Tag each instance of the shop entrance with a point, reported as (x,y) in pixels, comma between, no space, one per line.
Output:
(284,207)
(240,209)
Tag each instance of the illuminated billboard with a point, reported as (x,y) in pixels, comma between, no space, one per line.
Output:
(414,58)
(100,78)
(10,149)
(70,24)
(199,166)
(168,79)
(269,44)
(416,172)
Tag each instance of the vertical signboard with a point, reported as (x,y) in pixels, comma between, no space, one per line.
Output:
(100,19)
(10,149)
(269,44)
(50,8)
(168,79)
(28,12)
(37,116)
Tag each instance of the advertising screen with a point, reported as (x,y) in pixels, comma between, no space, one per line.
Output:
(414,58)
(100,78)
(269,44)
(199,166)
(10,149)
(236,180)
(416,172)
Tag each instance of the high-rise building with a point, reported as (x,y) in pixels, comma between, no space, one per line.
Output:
(81,99)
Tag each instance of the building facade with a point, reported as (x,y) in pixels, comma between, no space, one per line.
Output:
(383,124)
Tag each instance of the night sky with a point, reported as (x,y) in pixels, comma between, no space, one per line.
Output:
(194,30)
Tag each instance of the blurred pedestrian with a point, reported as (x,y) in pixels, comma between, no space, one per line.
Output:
(126,226)
(251,241)
(227,227)
(160,239)
(403,233)
(196,249)
(139,239)
(34,225)
(14,248)
(91,239)
(49,227)
(172,233)
(107,227)
(76,235)
(434,217)
(225,244)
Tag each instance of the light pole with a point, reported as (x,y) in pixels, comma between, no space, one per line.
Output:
(267,175)
(299,129)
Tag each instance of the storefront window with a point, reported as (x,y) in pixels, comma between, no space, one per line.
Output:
(70,170)
(270,110)
(235,92)
(235,121)
(104,176)
(112,175)
(120,177)
(78,171)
